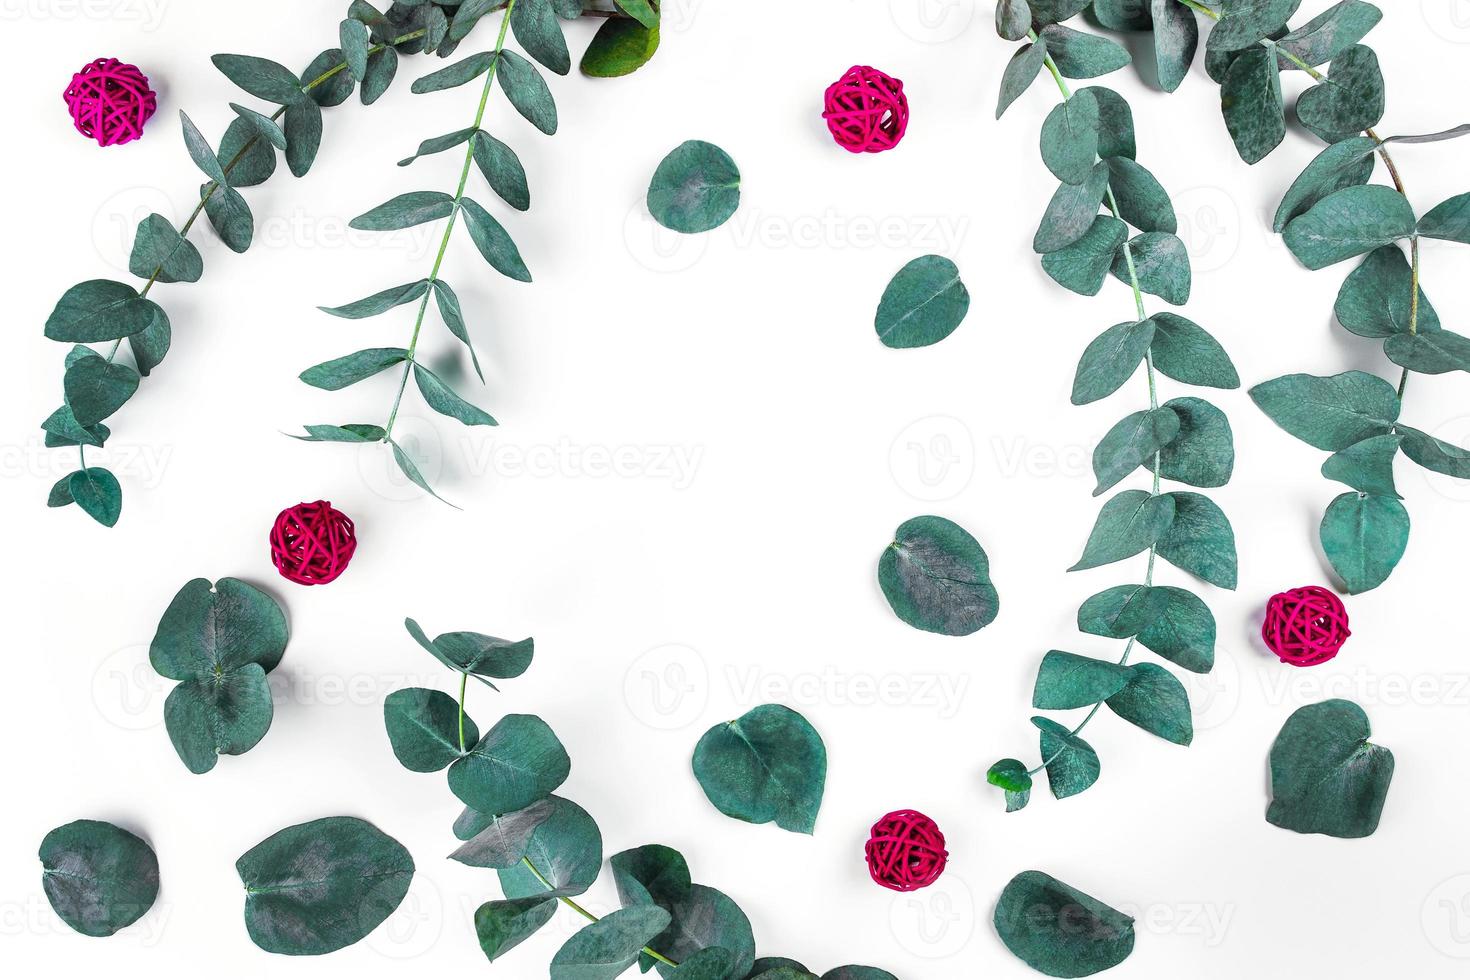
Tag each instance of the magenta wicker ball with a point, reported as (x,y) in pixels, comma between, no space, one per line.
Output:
(311,544)
(1305,627)
(866,110)
(110,101)
(906,851)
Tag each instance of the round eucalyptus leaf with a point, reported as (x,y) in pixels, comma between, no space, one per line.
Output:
(209,628)
(99,878)
(518,762)
(1059,931)
(768,765)
(609,946)
(1326,777)
(425,728)
(696,188)
(923,303)
(566,851)
(937,578)
(707,917)
(320,886)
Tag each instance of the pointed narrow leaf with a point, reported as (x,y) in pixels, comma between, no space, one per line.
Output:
(442,399)
(1020,72)
(493,242)
(502,170)
(260,77)
(341,372)
(405,211)
(379,302)
(527,91)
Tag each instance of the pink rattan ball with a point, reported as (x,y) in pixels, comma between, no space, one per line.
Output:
(311,544)
(1306,626)
(866,110)
(110,101)
(906,851)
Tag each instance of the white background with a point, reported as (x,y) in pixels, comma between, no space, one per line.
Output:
(663,600)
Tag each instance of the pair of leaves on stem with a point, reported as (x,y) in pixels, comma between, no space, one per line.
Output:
(1145,694)
(219,642)
(696,188)
(1186,529)
(1074,53)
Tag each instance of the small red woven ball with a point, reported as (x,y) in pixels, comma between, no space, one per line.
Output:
(906,851)
(866,110)
(1306,626)
(110,101)
(311,544)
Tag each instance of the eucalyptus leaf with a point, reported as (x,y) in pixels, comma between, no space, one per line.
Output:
(1435,454)
(1351,222)
(457,74)
(248,158)
(380,302)
(405,211)
(1066,680)
(1069,138)
(1376,299)
(159,250)
(706,919)
(1012,776)
(1154,700)
(1348,163)
(229,215)
(1129,524)
(1176,39)
(1200,540)
(502,926)
(227,715)
(341,372)
(1160,265)
(1130,443)
(1071,212)
(354,36)
(609,946)
(1436,352)
(1253,104)
(1110,360)
(262,78)
(642,11)
(96,388)
(1116,136)
(1123,611)
(565,849)
(923,303)
(409,469)
(62,430)
(335,90)
(1142,200)
(1080,55)
(493,242)
(1351,100)
(442,399)
(1247,21)
(1059,931)
(1185,351)
(1326,777)
(1020,72)
(304,136)
(317,887)
(769,765)
(936,576)
(518,762)
(453,315)
(98,310)
(1083,266)
(353,432)
(1364,536)
(98,877)
(1071,764)
(382,68)
(1366,466)
(502,170)
(1330,34)
(1012,19)
(424,728)
(1329,413)
(261,126)
(536,28)
(651,875)
(1449,221)
(696,188)
(1203,454)
(1183,631)
(527,91)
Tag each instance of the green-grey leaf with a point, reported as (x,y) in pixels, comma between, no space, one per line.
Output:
(62,430)
(341,372)
(303,135)
(1069,138)
(707,918)
(1364,536)
(1435,454)
(355,39)
(1326,777)
(1154,700)
(504,925)
(1376,298)
(566,849)
(1247,21)
(382,68)
(1351,100)
(1253,105)
(379,302)
(160,250)
(1329,34)
(1071,764)
(260,77)
(1080,55)
(1160,264)
(502,170)
(97,492)
(1020,72)
(1066,680)
(1122,611)
(1183,632)
(1203,454)
(1071,212)
(1110,360)
(1201,540)
(923,303)
(1129,443)
(1012,19)
(98,877)
(1342,165)
(455,75)
(1176,39)
(609,946)
(936,576)
(405,211)
(1142,200)
(1350,222)
(150,345)
(517,763)
(424,728)
(98,310)
(317,887)
(767,765)
(60,495)
(1128,525)
(1116,136)
(696,188)
(1083,266)
(1366,466)
(527,91)
(1449,221)
(229,215)
(408,468)
(536,28)
(1059,931)
(1185,351)
(1329,413)
(620,47)
(261,125)
(651,875)
(442,399)
(498,841)
(95,388)
(494,242)
(210,717)
(335,90)
(449,309)
(200,151)
(352,432)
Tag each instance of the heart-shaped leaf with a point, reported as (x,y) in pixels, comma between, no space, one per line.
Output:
(1326,777)
(98,877)
(767,765)
(426,728)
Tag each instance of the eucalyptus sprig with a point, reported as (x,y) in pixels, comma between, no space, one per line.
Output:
(1330,214)
(1088,142)
(547,851)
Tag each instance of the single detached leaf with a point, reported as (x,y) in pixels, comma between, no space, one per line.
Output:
(159,250)
(260,77)
(1253,105)
(1066,680)
(1069,138)
(1364,536)
(317,887)
(1110,360)
(405,211)
(1176,39)
(696,188)
(1200,540)
(494,243)
(936,577)
(97,492)
(924,303)
(1130,443)
(1123,611)
(1326,777)
(527,91)
(1080,55)
(1083,266)
(1342,165)
(1449,221)
(1351,222)
(1329,413)
(1351,100)
(1160,265)
(1071,764)
(1154,700)
(609,946)
(96,388)
(565,849)
(504,925)
(442,399)
(1185,351)
(424,728)
(517,763)
(1376,299)
(1059,931)
(1366,466)
(1020,72)
(379,302)
(98,877)
(1183,632)
(341,372)
(1203,454)
(1128,524)
(98,310)
(767,765)
(1071,212)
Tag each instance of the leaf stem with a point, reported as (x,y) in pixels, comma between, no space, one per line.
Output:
(464,680)
(583,912)
(464,177)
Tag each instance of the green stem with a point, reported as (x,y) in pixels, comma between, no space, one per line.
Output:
(1413,306)
(585,914)
(464,680)
(464,177)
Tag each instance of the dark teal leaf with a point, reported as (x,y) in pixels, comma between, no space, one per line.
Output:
(651,875)
(1201,540)
(1449,221)
(1247,21)
(609,946)
(355,39)
(439,144)
(456,74)
(1154,700)
(1176,39)
(1253,105)
(304,136)
(97,492)
(200,151)
(1123,15)
(1185,351)
(566,849)
(150,345)
(1161,265)
(382,68)
(1059,931)
(1330,34)
(247,157)
(449,309)
(769,765)
(60,495)
(707,919)
(97,310)
(1128,525)
(1364,536)
(923,303)
(1203,454)
(856,973)
(1183,631)
(1130,443)
(1123,611)
(502,926)
(1342,165)
(1069,138)
(1071,764)
(352,432)
(502,170)
(1437,352)
(1351,100)
(1083,266)
(261,126)
(714,963)
(1329,413)
(335,90)
(228,715)
(1326,777)
(536,28)
(62,430)
(159,250)
(1080,55)
(1110,360)
(317,887)
(424,728)
(261,78)
(527,91)
(229,215)
(95,388)
(98,877)
(493,242)
(1376,298)
(1045,12)
(1020,72)
(1142,201)
(405,211)
(696,188)
(1435,454)
(516,763)
(1350,222)
(211,629)
(442,399)
(1066,680)
(936,576)
(1366,466)
(379,302)
(1071,212)
(341,372)
(499,841)
(1116,137)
